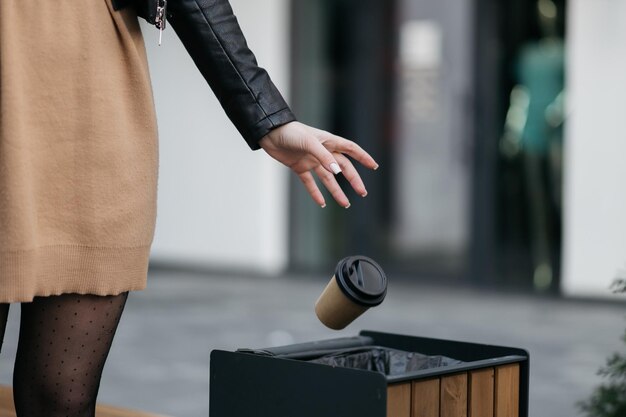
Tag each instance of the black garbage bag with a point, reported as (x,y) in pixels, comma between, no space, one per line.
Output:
(387,361)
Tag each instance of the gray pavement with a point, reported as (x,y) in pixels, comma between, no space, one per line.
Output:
(159,360)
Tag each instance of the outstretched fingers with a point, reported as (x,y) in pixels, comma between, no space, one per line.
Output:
(330,155)
(341,145)
(324,156)
(308,151)
(350,174)
(331,184)
(312,188)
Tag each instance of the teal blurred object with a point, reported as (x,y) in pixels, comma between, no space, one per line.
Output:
(541,71)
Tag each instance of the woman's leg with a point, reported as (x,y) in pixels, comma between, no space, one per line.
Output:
(4,315)
(64,342)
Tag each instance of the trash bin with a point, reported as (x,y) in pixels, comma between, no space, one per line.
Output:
(371,375)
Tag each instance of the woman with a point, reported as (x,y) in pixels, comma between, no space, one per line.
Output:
(78,173)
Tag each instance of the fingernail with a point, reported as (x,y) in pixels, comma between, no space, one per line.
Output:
(335,168)
(376,167)
(348,206)
(323,205)
(364,194)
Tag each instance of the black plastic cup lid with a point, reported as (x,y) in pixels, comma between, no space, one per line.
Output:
(362,280)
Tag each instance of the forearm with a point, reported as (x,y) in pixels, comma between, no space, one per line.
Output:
(211,34)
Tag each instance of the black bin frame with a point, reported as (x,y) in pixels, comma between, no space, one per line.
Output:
(278,382)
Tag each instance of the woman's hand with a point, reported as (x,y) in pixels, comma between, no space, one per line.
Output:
(305,150)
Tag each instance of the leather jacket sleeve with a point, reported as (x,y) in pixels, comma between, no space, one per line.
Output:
(213,38)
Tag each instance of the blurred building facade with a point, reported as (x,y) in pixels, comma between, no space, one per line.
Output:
(595,201)
(450,97)
(220,205)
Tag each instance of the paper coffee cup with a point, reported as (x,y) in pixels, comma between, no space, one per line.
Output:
(358,284)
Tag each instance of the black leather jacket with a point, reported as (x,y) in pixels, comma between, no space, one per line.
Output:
(209,31)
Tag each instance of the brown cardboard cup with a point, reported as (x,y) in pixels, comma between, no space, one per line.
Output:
(336,310)
(358,284)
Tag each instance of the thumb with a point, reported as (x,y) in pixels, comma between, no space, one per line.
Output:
(324,156)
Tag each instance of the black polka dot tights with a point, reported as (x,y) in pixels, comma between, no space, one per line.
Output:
(63,345)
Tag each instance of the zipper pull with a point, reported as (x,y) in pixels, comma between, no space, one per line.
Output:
(161,17)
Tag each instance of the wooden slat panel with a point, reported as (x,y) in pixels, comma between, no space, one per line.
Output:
(399,400)
(7,408)
(454,396)
(481,393)
(425,398)
(109,411)
(507,391)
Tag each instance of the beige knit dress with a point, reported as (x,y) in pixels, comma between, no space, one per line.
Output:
(78,150)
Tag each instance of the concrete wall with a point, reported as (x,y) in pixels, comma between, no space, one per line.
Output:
(220,204)
(595,158)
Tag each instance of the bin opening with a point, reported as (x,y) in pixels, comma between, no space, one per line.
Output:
(390,362)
